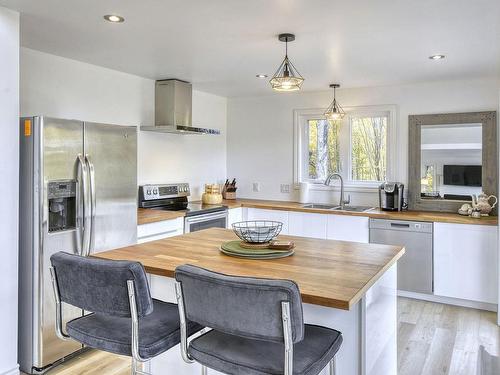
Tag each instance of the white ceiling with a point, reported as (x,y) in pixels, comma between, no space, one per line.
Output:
(220,45)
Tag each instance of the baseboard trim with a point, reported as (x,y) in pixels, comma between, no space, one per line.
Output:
(450,301)
(12,371)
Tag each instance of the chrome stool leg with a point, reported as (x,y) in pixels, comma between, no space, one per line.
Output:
(333,366)
(204,370)
(136,369)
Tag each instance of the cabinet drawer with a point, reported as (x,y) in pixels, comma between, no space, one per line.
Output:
(159,230)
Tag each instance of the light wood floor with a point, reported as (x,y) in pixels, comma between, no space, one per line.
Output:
(436,339)
(433,339)
(93,362)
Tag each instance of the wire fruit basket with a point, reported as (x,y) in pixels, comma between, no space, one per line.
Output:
(257,231)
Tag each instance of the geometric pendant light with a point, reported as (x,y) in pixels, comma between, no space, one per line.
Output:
(334,110)
(286,78)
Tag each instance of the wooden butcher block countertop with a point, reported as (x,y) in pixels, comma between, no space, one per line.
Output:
(442,217)
(329,273)
(149,216)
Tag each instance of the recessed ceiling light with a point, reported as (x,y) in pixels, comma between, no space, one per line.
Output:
(437,57)
(114,18)
(261,75)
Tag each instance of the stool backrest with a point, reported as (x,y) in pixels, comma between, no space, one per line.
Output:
(100,285)
(242,306)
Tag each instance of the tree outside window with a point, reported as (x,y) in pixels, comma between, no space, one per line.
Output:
(369,148)
(324,155)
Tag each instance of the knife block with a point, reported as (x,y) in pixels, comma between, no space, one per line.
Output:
(229,194)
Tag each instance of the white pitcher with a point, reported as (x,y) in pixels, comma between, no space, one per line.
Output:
(482,202)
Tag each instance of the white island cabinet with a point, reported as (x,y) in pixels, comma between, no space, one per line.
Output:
(465,262)
(355,294)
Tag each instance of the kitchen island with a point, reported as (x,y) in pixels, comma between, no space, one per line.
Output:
(348,286)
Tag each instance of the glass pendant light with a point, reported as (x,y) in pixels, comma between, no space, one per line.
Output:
(334,111)
(286,78)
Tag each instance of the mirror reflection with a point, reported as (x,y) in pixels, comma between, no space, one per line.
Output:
(451,161)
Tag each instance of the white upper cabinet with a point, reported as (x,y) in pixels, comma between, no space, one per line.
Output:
(274,215)
(466,262)
(348,228)
(307,225)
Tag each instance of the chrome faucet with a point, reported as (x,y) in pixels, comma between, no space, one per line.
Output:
(342,202)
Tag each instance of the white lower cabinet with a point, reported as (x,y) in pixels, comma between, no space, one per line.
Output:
(348,228)
(274,215)
(234,215)
(465,262)
(307,225)
(159,230)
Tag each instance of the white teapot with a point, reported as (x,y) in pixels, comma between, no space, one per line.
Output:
(482,202)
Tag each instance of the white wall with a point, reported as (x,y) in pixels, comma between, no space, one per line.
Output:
(260,129)
(9,188)
(60,87)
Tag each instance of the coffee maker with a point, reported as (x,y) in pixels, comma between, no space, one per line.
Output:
(390,196)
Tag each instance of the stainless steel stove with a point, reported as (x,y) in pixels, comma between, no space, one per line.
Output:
(174,197)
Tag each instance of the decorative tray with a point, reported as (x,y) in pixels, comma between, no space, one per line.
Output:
(234,248)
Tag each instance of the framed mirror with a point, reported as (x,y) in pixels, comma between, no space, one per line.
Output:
(451,157)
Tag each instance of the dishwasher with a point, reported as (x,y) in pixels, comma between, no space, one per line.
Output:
(415,267)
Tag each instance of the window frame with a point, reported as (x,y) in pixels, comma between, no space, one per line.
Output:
(301,145)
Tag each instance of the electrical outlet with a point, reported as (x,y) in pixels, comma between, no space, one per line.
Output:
(285,188)
(256,187)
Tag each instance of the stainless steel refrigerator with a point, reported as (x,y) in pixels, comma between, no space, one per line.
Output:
(78,194)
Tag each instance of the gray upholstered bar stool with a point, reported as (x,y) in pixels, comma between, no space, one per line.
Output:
(125,319)
(257,325)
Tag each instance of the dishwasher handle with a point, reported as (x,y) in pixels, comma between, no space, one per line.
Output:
(400,225)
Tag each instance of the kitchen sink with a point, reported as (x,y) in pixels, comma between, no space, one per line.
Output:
(354,208)
(338,208)
(322,206)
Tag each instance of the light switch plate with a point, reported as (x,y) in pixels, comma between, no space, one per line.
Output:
(256,187)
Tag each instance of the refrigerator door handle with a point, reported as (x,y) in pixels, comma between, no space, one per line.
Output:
(91,170)
(83,179)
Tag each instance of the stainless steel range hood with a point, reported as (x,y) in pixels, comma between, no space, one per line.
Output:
(173,109)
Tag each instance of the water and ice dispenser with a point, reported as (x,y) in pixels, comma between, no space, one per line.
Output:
(62,205)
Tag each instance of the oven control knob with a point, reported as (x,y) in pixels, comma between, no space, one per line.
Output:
(155,191)
(148,192)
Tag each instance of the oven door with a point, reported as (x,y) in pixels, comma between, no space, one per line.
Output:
(205,221)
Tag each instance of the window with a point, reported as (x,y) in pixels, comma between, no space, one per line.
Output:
(358,147)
